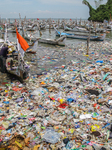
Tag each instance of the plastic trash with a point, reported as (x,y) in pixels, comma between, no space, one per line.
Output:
(65,103)
(51,136)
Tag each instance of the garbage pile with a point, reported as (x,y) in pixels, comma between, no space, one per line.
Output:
(68,107)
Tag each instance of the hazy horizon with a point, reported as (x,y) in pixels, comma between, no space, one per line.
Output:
(45,9)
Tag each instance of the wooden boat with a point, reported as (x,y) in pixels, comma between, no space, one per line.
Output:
(13,64)
(20,75)
(30,51)
(99,30)
(81,36)
(109,27)
(30,29)
(12,30)
(76,29)
(14,70)
(60,41)
(2,41)
(42,27)
(30,37)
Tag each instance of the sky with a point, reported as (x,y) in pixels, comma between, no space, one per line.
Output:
(45,8)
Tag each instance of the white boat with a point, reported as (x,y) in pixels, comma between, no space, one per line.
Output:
(76,29)
(60,41)
(2,41)
(30,37)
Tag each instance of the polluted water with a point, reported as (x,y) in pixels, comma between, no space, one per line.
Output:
(65,103)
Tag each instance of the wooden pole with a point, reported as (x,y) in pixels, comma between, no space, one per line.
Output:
(87,46)
(3,31)
(76,22)
(88,40)
(22,24)
(80,22)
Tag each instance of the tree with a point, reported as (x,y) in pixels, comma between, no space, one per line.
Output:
(101,13)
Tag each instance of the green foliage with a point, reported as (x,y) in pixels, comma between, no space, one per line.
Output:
(100,14)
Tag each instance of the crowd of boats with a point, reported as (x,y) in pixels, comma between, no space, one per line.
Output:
(71,29)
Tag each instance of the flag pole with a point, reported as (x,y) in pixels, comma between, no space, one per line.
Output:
(22,46)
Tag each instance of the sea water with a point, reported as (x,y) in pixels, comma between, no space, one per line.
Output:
(49,56)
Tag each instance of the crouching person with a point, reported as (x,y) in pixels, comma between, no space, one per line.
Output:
(3,57)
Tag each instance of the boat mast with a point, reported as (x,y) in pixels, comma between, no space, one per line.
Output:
(5,32)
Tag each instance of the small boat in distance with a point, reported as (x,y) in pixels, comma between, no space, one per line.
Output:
(81,36)
(76,29)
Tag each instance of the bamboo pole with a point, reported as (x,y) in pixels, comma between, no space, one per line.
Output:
(88,40)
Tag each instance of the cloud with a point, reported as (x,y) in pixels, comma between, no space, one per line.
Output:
(14,13)
(49,12)
(43,12)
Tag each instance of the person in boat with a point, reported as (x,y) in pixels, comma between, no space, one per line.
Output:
(4,50)
(3,56)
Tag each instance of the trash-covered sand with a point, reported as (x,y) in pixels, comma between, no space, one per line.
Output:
(66,103)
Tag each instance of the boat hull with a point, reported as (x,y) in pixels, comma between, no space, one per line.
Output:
(81,37)
(50,41)
(32,39)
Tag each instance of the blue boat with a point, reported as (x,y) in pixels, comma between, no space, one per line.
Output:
(80,36)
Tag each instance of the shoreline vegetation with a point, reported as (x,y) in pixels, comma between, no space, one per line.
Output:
(103,12)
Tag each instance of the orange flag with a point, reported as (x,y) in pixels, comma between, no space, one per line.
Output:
(24,45)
